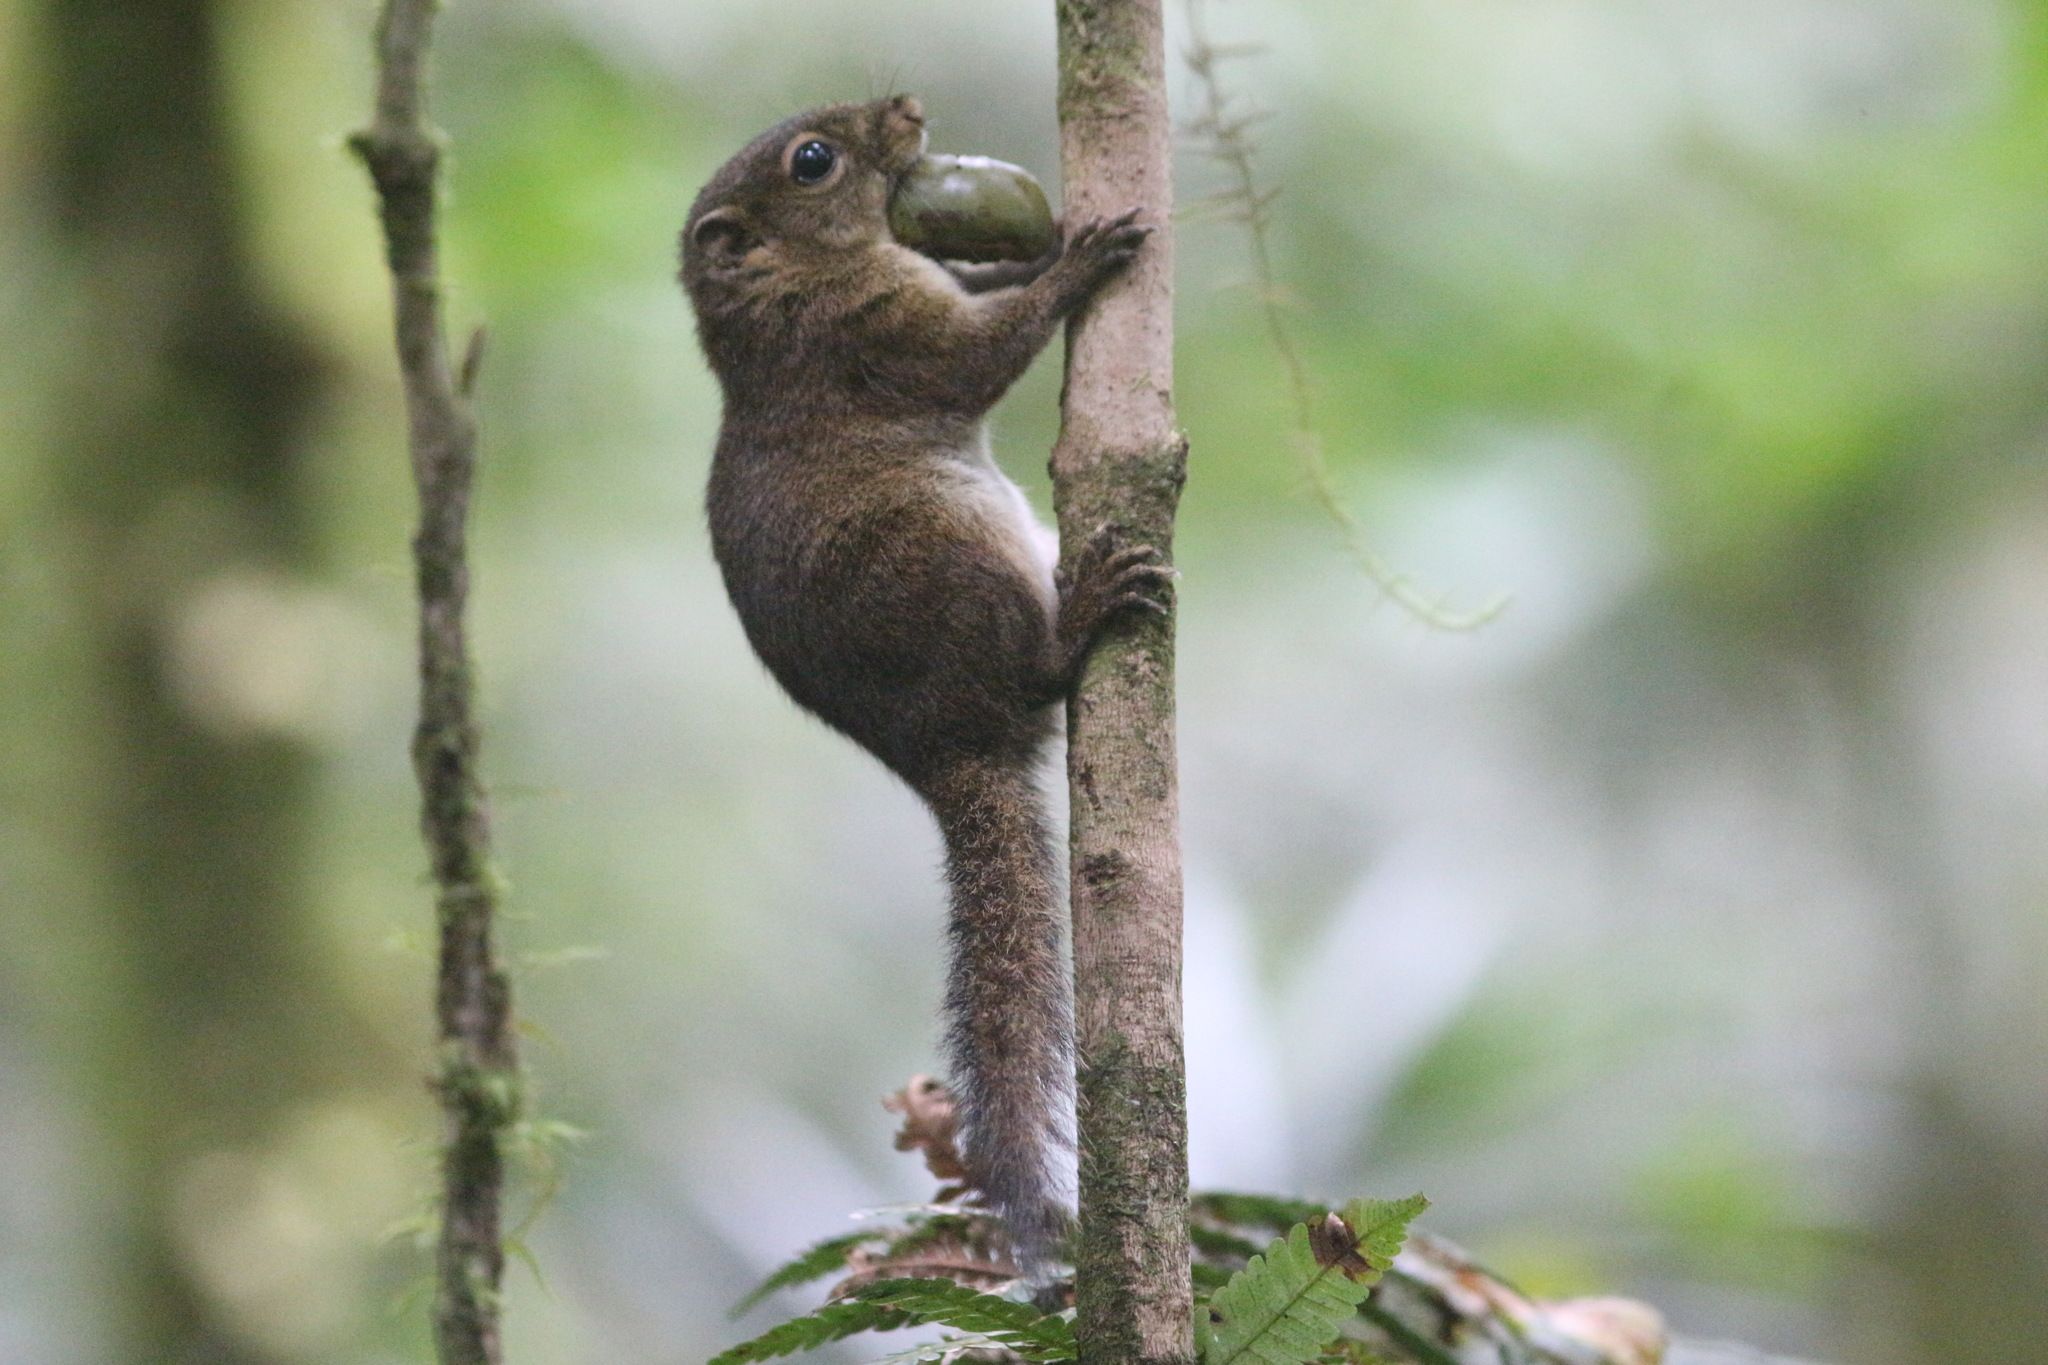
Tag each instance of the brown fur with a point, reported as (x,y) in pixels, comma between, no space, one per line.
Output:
(891,579)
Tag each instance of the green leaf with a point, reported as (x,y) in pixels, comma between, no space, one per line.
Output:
(1018,1326)
(1418,1348)
(1256,1210)
(1220,1245)
(814,1263)
(1287,1306)
(833,1322)
(888,1304)
(1381,1225)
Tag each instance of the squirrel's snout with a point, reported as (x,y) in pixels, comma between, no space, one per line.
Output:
(906,108)
(901,131)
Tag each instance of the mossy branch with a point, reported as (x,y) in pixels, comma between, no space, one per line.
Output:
(1120,462)
(478,1077)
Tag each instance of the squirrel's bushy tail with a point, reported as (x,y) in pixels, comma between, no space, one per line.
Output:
(1009,1024)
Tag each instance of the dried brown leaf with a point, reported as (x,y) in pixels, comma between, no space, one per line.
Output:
(961,1259)
(1333,1243)
(1617,1331)
(930,1126)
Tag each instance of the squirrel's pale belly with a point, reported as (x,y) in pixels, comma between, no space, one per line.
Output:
(993,498)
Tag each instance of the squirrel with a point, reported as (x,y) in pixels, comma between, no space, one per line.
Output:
(896,583)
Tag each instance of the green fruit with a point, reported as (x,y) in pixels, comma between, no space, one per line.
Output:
(970,208)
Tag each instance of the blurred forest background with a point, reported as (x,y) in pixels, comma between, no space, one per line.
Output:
(1684,933)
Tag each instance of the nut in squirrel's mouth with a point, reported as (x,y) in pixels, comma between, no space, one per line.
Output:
(971,208)
(964,208)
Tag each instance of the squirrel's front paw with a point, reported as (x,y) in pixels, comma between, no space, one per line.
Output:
(1100,247)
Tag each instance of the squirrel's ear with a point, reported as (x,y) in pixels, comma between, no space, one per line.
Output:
(721,237)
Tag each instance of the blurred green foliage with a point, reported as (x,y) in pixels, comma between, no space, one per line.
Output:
(1681,933)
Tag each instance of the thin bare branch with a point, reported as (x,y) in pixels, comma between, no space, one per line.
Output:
(477,1078)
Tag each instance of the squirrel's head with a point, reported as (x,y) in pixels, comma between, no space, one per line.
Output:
(818,182)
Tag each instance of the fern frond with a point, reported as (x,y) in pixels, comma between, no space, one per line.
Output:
(1381,1225)
(888,1304)
(1281,1309)
(1221,1244)
(1414,1346)
(1256,1210)
(814,1263)
(1017,1326)
(833,1322)
(1287,1306)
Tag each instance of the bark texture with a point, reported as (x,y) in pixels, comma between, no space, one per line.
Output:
(1120,460)
(478,1079)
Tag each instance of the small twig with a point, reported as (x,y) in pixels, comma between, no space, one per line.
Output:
(477,1078)
(1224,132)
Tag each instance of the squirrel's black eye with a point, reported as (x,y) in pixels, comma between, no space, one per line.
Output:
(812,162)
